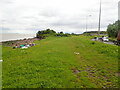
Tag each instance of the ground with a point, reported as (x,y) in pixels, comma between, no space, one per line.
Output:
(61,62)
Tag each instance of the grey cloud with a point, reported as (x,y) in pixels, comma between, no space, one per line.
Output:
(24,16)
(4,28)
(7,1)
(48,14)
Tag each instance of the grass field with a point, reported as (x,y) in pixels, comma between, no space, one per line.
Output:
(61,62)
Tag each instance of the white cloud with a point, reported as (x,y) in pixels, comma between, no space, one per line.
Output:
(27,16)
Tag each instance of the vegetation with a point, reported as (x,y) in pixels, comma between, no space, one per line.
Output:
(62,34)
(94,32)
(48,32)
(44,33)
(61,62)
(9,43)
(112,29)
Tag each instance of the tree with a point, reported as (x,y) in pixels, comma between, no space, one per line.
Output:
(61,32)
(112,29)
(42,34)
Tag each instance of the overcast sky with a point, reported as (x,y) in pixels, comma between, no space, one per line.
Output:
(69,16)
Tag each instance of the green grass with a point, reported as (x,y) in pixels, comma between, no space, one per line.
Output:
(52,63)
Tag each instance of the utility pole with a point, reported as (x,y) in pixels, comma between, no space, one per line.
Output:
(119,10)
(87,22)
(90,22)
(99,20)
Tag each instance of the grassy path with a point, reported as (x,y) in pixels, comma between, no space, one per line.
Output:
(63,62)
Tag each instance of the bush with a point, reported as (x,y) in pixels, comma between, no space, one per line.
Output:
(44,33)
(112,29)
(62,35)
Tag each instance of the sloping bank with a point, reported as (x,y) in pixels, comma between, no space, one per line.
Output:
(61,62)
